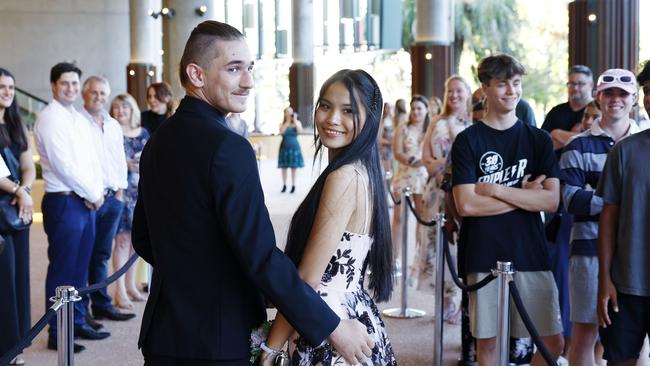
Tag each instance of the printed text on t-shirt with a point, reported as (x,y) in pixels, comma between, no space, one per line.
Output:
(491,165)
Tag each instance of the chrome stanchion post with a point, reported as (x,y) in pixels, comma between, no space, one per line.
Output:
(64,300)
(404,311)
(504,274)
(440,291)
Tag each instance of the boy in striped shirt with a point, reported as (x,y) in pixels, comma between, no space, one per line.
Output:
(582,162)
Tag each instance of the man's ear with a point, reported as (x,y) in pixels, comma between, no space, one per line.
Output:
(195,75)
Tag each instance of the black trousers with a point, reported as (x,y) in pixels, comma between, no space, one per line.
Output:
(174,361)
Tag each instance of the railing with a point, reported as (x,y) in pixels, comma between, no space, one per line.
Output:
(29,105)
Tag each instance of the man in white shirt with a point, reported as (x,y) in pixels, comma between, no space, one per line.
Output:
(73,193)
(109,142)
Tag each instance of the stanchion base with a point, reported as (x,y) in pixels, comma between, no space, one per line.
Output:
(401,313)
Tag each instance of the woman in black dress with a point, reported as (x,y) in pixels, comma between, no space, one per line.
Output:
(159,99)
(14,260)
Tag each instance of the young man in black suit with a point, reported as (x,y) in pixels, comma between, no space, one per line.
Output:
(201,222)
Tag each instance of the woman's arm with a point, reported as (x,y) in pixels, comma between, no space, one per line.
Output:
(298,126)
(337,203)
(27,168)
(398,145)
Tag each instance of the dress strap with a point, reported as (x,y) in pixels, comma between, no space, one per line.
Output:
(367,208)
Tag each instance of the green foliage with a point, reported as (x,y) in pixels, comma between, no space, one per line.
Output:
(408,22)
(486,27)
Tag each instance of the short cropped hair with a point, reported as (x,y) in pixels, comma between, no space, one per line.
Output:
(98,79)
(61,68)
(644,75)
(581,69)
(499,67)
(197,49)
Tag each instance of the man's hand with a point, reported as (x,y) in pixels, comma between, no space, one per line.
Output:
(352,341)
(536,183)
(606,292)
(486,189)
(95,205)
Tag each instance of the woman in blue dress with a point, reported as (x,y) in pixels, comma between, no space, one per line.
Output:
(125,110)
(290,155)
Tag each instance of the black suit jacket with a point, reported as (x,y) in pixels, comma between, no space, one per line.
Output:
(201,222)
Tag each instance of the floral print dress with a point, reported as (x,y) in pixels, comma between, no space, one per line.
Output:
(444,133)
(133,147)
(341,287)
(414,177)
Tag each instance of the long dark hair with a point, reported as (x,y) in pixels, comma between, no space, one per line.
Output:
(423,100)
(14,130)
(363,148)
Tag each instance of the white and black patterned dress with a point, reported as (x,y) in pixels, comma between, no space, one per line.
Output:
(341,287)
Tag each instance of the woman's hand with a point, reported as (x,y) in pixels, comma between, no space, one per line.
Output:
(266,359)
(133,165)
(25,205)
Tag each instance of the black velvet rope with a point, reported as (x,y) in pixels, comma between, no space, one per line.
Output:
(514,292)
(95,287)
(418,218)
(37,328)
(454,274)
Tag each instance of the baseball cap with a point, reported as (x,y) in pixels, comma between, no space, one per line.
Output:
(617,78)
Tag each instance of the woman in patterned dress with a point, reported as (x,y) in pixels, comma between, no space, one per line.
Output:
(407,149)
(341,228)
(125,110)
(438,139)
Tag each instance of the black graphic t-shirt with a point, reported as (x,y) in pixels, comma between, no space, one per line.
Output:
(483,154)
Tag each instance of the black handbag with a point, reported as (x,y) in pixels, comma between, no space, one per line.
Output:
(10,222)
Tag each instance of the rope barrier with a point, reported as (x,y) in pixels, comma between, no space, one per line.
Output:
(418,218)
(51,312)
(454,274)
(109,280)
(37,328)
(514,292)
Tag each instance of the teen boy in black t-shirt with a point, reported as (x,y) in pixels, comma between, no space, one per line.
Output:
(492,163)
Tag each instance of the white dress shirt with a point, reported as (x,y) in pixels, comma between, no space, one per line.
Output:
(65,142)
(4,169)
(109,142)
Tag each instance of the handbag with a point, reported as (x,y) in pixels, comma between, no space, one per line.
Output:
(10,222)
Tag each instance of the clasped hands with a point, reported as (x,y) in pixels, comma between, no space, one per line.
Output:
(350,339)
(492,189)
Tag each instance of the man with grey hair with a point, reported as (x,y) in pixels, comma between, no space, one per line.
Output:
(108,140)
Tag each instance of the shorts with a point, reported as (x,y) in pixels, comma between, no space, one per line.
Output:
(583,289)
(623,339)
(540,298)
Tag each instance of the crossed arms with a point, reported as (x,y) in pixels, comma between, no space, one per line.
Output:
(489,199)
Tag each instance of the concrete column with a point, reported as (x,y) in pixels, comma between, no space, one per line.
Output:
(146,43)
(301,72)
(604,34)
(432,55)
(176,30)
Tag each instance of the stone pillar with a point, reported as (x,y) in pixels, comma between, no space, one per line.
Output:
(176,31)
(146,43)
(604,34)
(432,55)
(301,72)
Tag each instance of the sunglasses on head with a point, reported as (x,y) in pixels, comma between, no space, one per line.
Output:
(611,79)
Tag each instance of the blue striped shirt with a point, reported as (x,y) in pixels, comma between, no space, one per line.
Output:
(581,162)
